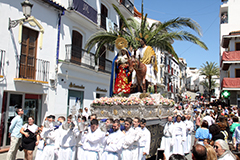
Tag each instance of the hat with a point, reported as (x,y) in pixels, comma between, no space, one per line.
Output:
(195,109)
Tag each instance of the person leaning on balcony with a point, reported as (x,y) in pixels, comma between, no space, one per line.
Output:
(15,135)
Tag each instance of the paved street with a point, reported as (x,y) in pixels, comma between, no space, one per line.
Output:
(20,155)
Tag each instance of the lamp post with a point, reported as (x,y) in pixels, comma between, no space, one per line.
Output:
(27,9)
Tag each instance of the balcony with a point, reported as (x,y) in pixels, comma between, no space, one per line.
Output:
(128,4)
(231,83)
(2,57)
(105,65)
(85,9)
(31,69)
(79,56)
(229,58)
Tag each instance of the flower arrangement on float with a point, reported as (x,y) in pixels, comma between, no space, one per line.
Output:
(166,102)
(148,101)
(110,101)
(124,101)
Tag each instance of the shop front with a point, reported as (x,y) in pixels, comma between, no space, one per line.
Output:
(31,104)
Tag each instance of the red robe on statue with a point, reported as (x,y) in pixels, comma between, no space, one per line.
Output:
(121,82)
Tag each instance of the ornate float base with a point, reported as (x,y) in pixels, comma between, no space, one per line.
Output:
(141,110)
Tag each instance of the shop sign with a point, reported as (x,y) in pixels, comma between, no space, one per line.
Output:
(73,85)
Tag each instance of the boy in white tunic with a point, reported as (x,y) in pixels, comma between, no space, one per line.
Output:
(67,141)
(189,133)
(49,134)
(144,142)
(92,141)
(179,136)
(167,138)
(113,143)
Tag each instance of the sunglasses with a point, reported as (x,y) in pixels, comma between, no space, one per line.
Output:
(215,146)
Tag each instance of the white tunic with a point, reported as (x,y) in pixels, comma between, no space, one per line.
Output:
(137,135)
(144,143)
(178,137)
(128,144)
(40,148)
(150,76)
(190,128)
(113,146)
(49,134)
(167,139)
(91,144)
(67,142)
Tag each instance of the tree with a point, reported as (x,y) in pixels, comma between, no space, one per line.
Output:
(205,84)
(158,35)
(209,70)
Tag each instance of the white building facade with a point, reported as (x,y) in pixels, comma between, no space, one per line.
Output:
(44,66)
(229,50)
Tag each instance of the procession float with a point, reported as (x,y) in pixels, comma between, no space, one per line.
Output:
(134,94)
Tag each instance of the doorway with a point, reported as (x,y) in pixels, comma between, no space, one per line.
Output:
(31,105)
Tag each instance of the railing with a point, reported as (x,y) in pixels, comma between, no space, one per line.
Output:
(77,55)
(105,65)
(32,68)
(2,57)
(128,4)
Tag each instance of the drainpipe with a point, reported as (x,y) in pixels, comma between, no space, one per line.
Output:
(58,43)
(58,36)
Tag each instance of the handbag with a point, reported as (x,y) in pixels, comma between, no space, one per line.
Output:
(20,148)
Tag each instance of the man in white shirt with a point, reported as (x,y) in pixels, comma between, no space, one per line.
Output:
(178,136)
(128,140)
(144,141)
(209,119)
(67,140)
(92,141)
(167,138)
(137,135)
(85,114)
(189,125)
(113,143)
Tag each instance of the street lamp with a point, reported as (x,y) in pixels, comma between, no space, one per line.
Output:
(27,9)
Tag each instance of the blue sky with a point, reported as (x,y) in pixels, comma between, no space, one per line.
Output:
(204,12)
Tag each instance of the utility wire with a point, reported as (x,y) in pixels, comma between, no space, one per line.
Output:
(203,34)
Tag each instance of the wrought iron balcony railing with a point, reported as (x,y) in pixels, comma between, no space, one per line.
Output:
(128,4)
(77,55)
(31,68)
(105,65)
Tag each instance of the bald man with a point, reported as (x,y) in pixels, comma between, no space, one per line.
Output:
(199,152)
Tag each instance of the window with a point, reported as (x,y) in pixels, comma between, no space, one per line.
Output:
(237,46)
(76,53)
(224,17)
(104,14)
(237,73)
(28,53)
(102,58)
(98,95)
